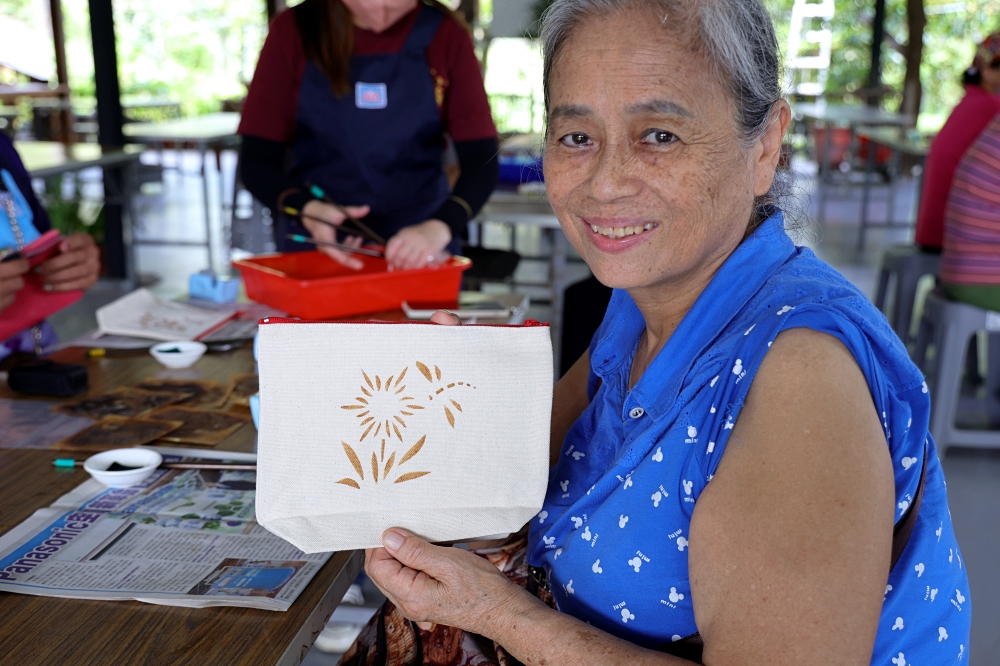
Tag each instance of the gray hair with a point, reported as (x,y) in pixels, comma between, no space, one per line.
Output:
(736,36)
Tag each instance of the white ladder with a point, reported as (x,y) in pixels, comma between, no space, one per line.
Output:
(806,70)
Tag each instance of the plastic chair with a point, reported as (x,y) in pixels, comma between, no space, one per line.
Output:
(950,325)
(908,263)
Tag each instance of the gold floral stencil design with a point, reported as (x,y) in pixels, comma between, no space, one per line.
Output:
(383,409)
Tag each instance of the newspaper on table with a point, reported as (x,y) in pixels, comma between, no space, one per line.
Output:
(181,538)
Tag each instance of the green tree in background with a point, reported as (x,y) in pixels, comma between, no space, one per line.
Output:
(950,32)
(949,37)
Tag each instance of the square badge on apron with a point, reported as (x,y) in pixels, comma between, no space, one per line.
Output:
(371,95)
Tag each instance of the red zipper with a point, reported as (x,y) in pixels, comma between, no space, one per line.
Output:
(528,323)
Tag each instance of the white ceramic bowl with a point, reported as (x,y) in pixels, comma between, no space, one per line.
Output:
(180,354)
(144,460)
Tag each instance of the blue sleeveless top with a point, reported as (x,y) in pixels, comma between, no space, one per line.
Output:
(613,531)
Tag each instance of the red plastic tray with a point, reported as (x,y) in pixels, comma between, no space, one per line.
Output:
(311,285)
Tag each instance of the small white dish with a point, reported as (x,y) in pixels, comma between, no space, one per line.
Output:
(145,462)
(179,354)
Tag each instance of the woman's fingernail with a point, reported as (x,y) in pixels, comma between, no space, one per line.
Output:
(47,287)
(392,540)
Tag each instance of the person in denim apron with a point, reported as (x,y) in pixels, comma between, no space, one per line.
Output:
(349,107)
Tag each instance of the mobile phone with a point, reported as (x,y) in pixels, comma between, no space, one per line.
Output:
(424,309)
(42,248)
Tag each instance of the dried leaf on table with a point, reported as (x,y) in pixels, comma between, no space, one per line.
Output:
(126,402)
(242,387)
(115,432)
(200,426)
(204,393)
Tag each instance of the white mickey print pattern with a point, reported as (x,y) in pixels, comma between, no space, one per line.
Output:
(608,558)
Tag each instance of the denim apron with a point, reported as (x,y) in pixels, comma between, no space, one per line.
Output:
(382,146)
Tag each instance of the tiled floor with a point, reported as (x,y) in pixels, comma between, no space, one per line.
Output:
(174,210)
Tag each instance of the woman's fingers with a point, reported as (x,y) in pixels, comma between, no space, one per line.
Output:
(357,211)
(77,276)
(76,267)
(13,268)
(344,258)
(11,281)
(325,232)
(445,318)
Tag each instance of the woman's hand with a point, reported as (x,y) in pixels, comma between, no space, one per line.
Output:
(75,267)
(325,232)
(418,246)
(444,585)
(11,281)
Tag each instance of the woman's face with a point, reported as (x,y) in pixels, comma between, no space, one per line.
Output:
(378,15)
(643,165)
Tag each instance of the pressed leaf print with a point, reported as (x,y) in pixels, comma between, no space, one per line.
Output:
(409,476)
(385,408)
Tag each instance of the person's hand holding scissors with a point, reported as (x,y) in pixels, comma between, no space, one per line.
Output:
(324,232)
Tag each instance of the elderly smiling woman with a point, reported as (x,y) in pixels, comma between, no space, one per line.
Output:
(742,469)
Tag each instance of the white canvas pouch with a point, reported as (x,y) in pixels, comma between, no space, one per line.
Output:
(441,430)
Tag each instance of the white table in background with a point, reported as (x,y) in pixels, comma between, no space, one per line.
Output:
(212,131)
(533,209)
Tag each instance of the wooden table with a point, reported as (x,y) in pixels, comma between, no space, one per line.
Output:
(211,131)
(130,368)
(45,630)
(44,159)
(853,116)
(11,93)
(512,208)
(900,143)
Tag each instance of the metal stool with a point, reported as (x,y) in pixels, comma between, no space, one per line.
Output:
(950,325)
(908,263)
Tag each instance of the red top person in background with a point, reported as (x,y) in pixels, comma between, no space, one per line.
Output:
(352,100)
(967,120)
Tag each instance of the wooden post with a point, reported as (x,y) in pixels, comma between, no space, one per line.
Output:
(875,72)
(65,133)
(916,18)
(109,127)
